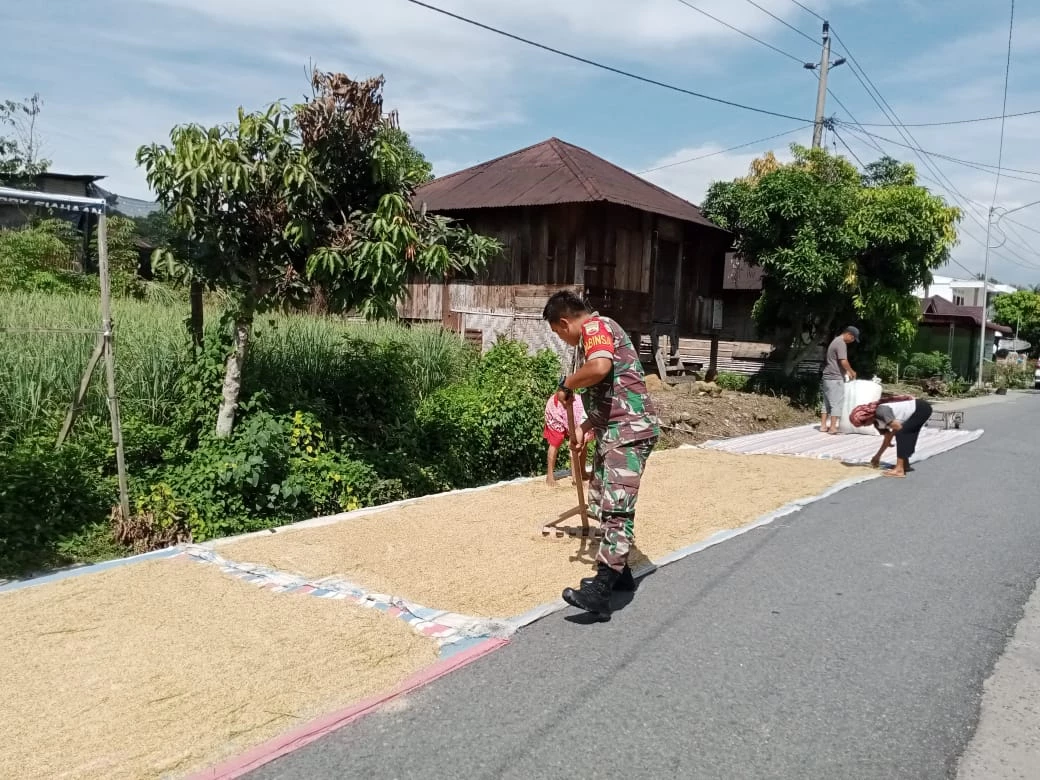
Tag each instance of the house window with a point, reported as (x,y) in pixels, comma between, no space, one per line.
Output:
(958,300)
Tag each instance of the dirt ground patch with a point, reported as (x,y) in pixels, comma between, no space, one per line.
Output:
(160,668)
(691,418)
(482,553)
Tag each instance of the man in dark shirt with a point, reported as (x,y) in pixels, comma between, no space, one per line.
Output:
(836,368)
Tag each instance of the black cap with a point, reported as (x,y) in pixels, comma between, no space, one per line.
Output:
(854,331)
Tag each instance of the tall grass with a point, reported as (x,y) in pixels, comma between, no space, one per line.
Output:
(327,362)
(40,370)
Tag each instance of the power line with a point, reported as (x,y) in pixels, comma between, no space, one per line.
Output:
(847,111)
(724,151)
(855,121)
(976,164)
(961,229)
(949,186)
(1021,225)
(1021,244)
(1023,241)
(747,35)
(1003,111)
(849,148)
(786,24)
(993,118)
(890,114)
(808,10)
(602,66)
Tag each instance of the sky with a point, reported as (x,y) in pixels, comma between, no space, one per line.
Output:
(116,74)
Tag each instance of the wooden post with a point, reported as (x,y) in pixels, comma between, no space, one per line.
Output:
(713,357)
(197,323)
(110,364)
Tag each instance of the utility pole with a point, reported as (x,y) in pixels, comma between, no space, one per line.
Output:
(990,224)
(825,66)
(821,92)
(985,296)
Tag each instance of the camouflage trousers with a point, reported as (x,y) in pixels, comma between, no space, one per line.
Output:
(616,472)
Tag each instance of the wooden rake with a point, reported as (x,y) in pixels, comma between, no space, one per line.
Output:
(552,529)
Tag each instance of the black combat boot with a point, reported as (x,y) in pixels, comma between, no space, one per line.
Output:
(594,597)
(625,583)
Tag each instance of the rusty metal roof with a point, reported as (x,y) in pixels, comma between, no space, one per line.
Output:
(552,172)
(939,307)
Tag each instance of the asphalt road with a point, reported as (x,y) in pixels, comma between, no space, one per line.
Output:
(850,640)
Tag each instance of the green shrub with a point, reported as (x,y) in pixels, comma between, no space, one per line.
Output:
(491,427)
(239,484)
(887,369)
(41,257)
(334,481)
(733,382)
(48,496)
(930,364)
(360,380)
(387,411)
(1012,376)
(958,386)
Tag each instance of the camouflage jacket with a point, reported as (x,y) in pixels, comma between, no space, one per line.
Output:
(619,407)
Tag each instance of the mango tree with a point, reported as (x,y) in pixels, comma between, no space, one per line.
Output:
(837,247)
(299,199)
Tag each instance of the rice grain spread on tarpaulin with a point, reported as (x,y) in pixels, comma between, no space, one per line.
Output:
(454,551)
(159,668)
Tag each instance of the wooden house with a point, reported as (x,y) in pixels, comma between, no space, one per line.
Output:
(568,219)
(743,349)
(955,330)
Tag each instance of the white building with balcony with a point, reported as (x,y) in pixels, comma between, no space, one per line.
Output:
(961,292)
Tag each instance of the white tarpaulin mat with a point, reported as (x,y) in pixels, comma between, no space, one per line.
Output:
(808,442)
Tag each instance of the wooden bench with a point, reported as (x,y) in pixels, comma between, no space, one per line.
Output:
(949,418)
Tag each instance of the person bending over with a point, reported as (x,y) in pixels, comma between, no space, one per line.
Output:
(900,418)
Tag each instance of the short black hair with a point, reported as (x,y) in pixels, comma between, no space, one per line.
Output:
(563,304)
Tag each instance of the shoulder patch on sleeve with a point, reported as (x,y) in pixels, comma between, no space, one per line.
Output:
(597,338)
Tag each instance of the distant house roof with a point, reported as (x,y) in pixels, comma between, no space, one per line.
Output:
(128,207)
(550,173)
(938,309)
(84,177)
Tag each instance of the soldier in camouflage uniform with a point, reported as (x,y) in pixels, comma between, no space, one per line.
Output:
(622,415)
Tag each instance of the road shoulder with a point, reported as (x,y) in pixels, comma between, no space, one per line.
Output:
(1006,744)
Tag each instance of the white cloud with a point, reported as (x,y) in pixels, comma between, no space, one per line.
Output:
(157,63)
(690,180)
(443,76)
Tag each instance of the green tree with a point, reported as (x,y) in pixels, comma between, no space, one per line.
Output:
(20,159)
(40,256)
(124,256)
(411,158)
(299,199)
(1020,310)
(836,246)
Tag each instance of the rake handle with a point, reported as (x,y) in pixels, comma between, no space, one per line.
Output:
(576,470)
